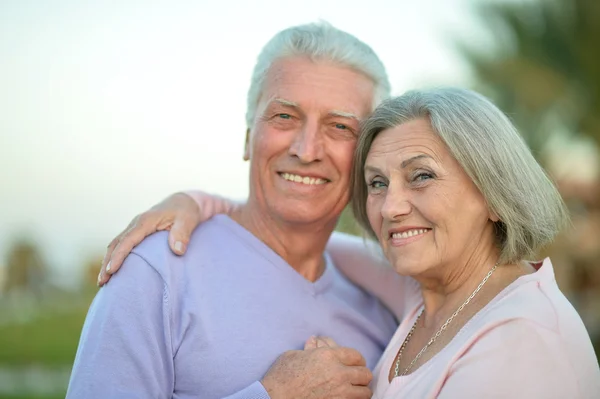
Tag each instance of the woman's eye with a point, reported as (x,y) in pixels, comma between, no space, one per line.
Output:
(376,187)
(423,176)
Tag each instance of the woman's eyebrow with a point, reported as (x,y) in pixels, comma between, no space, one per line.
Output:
(372,169)
(408,161)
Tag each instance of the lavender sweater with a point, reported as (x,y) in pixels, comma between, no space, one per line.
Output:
(209,324)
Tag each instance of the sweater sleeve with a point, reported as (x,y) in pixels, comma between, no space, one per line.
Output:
(211,205)
(517,359)
(253,391)
(125,346)
(363,263)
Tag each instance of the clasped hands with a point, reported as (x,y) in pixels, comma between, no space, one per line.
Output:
(322,370)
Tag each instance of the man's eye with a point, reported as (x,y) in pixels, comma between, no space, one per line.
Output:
(284,116)
(341,126)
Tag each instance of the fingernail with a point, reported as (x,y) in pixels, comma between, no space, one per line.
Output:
(108,267)
(99,278)
(179,246)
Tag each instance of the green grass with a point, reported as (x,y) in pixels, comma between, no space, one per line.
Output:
(50,340)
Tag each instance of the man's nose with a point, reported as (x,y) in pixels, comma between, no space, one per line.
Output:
(397,202)
(308,143)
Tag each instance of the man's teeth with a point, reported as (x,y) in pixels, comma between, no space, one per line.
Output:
(409,233)
(303,179)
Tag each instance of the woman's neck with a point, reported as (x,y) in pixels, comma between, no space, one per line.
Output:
(448,287)
(443,297)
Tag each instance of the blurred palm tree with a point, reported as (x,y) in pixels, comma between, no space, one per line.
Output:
(544,69)
(26,270)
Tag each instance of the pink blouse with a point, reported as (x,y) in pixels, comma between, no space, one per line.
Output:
(528,342)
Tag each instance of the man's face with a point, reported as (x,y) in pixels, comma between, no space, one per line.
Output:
(302,141)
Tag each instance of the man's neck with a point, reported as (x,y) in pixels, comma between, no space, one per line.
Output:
(300,245)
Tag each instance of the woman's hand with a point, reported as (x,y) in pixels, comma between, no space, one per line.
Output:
(179,213)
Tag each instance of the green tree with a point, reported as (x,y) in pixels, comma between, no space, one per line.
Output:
(25,269)
(544,69)
(348,224)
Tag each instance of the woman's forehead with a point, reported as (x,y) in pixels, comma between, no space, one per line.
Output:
(408,140)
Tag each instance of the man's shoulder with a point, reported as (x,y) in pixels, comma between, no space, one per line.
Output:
(157,243)
(213,240)
(155,251)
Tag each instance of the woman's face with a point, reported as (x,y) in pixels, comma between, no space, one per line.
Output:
(423,207)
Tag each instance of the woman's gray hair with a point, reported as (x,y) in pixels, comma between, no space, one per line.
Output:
(318,41)
(492,153)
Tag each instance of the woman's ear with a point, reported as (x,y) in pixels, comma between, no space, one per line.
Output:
(247,146)
(493,217)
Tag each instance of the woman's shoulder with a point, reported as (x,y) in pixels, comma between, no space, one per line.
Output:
(535,316)
(536,298)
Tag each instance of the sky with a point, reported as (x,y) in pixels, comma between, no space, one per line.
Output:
(107,107)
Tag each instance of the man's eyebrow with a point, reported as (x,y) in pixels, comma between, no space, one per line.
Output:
(407,162)
(344,115)
(284,102)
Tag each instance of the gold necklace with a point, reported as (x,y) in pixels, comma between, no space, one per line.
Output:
(439,332)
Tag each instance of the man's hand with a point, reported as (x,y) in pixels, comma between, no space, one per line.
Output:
(319,371)
(179,213)
(320,342)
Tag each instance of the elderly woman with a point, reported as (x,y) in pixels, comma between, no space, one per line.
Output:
(458,204)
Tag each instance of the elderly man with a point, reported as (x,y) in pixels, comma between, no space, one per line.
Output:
(215,322)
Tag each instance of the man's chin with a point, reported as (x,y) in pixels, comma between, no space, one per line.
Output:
(306,212)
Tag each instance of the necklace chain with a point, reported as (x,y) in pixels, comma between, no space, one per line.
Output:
(439,332)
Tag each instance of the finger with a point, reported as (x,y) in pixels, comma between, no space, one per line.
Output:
(106,267)
(360,392)
(359,375)
(103,277)
(310,343)
(180,233)
(326,342)
(349,356)
(128,241)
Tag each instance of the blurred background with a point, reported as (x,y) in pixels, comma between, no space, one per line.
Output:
(108,107)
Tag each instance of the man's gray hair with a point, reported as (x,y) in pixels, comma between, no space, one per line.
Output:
(492,153)
(318,41)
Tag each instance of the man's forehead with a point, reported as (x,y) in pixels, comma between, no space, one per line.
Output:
(305,83)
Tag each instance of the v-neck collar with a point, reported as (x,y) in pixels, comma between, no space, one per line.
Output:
(316,287)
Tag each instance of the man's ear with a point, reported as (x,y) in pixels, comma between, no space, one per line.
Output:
(247,146)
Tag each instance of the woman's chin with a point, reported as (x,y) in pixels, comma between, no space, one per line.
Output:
(408,268)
